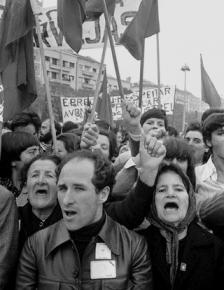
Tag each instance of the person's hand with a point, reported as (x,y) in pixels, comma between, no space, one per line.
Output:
(151,154)
(89,136)
(131,116)
(158,133)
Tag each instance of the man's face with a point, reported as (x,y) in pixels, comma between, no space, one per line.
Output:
(45,127)
(41,185)
(195,139)
(60,149)
(154,127)
(80,204)
(217,142)
(103,144)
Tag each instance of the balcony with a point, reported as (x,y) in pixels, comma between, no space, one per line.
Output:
(87,86)
(88,73)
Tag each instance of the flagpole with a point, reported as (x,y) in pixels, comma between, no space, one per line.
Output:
(113,50)
(141,75)
(98,82)
(37,12)
(1,112)
(158,70)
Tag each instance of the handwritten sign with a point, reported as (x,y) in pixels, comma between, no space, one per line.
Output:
(73,109)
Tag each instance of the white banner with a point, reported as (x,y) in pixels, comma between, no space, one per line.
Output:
(149,100)
(73,109)
(93,31)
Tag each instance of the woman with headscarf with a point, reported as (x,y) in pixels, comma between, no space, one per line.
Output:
(184,255)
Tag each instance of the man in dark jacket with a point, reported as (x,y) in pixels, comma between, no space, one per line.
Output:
(87,249)
(8,237)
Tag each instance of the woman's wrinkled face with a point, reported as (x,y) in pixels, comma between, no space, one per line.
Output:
(171,199)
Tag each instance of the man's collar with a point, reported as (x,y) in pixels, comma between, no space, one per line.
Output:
(108,233)
(208,169)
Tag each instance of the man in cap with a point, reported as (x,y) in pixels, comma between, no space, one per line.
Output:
(210,176)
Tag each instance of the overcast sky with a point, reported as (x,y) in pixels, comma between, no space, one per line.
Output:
(188,28)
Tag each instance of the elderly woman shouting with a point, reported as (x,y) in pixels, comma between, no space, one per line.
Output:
(184,255)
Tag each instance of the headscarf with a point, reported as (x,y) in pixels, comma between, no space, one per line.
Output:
(170,230)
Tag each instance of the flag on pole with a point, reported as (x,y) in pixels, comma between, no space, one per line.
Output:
(144,24)
(209,93)
(103,106)
(94,8)
(16,57)
(71,15)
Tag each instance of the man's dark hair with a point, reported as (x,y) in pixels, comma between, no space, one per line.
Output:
(68,126)
(71,141)
(194,126)
(51,157)
(210,111)
(172,131)
(24,119)
(13,144)
(104,172)
(154,113)
(214,119)
(181,150)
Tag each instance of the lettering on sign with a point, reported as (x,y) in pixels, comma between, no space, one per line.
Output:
(93,30)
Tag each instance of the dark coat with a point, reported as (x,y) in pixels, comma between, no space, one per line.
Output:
(30,223)
(201,260)
(9,229)
(50,260)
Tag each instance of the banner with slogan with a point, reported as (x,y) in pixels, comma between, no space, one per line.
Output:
(149,100)
(73,109)
(93,31)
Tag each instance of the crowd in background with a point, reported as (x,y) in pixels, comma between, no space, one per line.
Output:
(141,197)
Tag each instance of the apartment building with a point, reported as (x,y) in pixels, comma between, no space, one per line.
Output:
(79,72)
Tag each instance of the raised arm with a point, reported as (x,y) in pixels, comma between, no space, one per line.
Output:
(132,210)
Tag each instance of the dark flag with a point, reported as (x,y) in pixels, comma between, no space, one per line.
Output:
(71,15)
(103,107)
(209,93)
(94,8)
(16,57)
(144,24)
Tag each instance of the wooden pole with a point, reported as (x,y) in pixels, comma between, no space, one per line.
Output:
(36,12)
(113,50)
(158,70)
(141,75)
(98,82)
(1,111)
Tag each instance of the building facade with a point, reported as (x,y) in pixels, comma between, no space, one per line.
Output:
(77,71)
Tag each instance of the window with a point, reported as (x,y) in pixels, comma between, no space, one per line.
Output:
(55,61)
(71,78)
(64,77)
(87,68)
(72,65)
(54,75)
(94,69)
(47,58)
(65,63)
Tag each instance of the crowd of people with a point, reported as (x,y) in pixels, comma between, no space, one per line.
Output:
(134,208)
